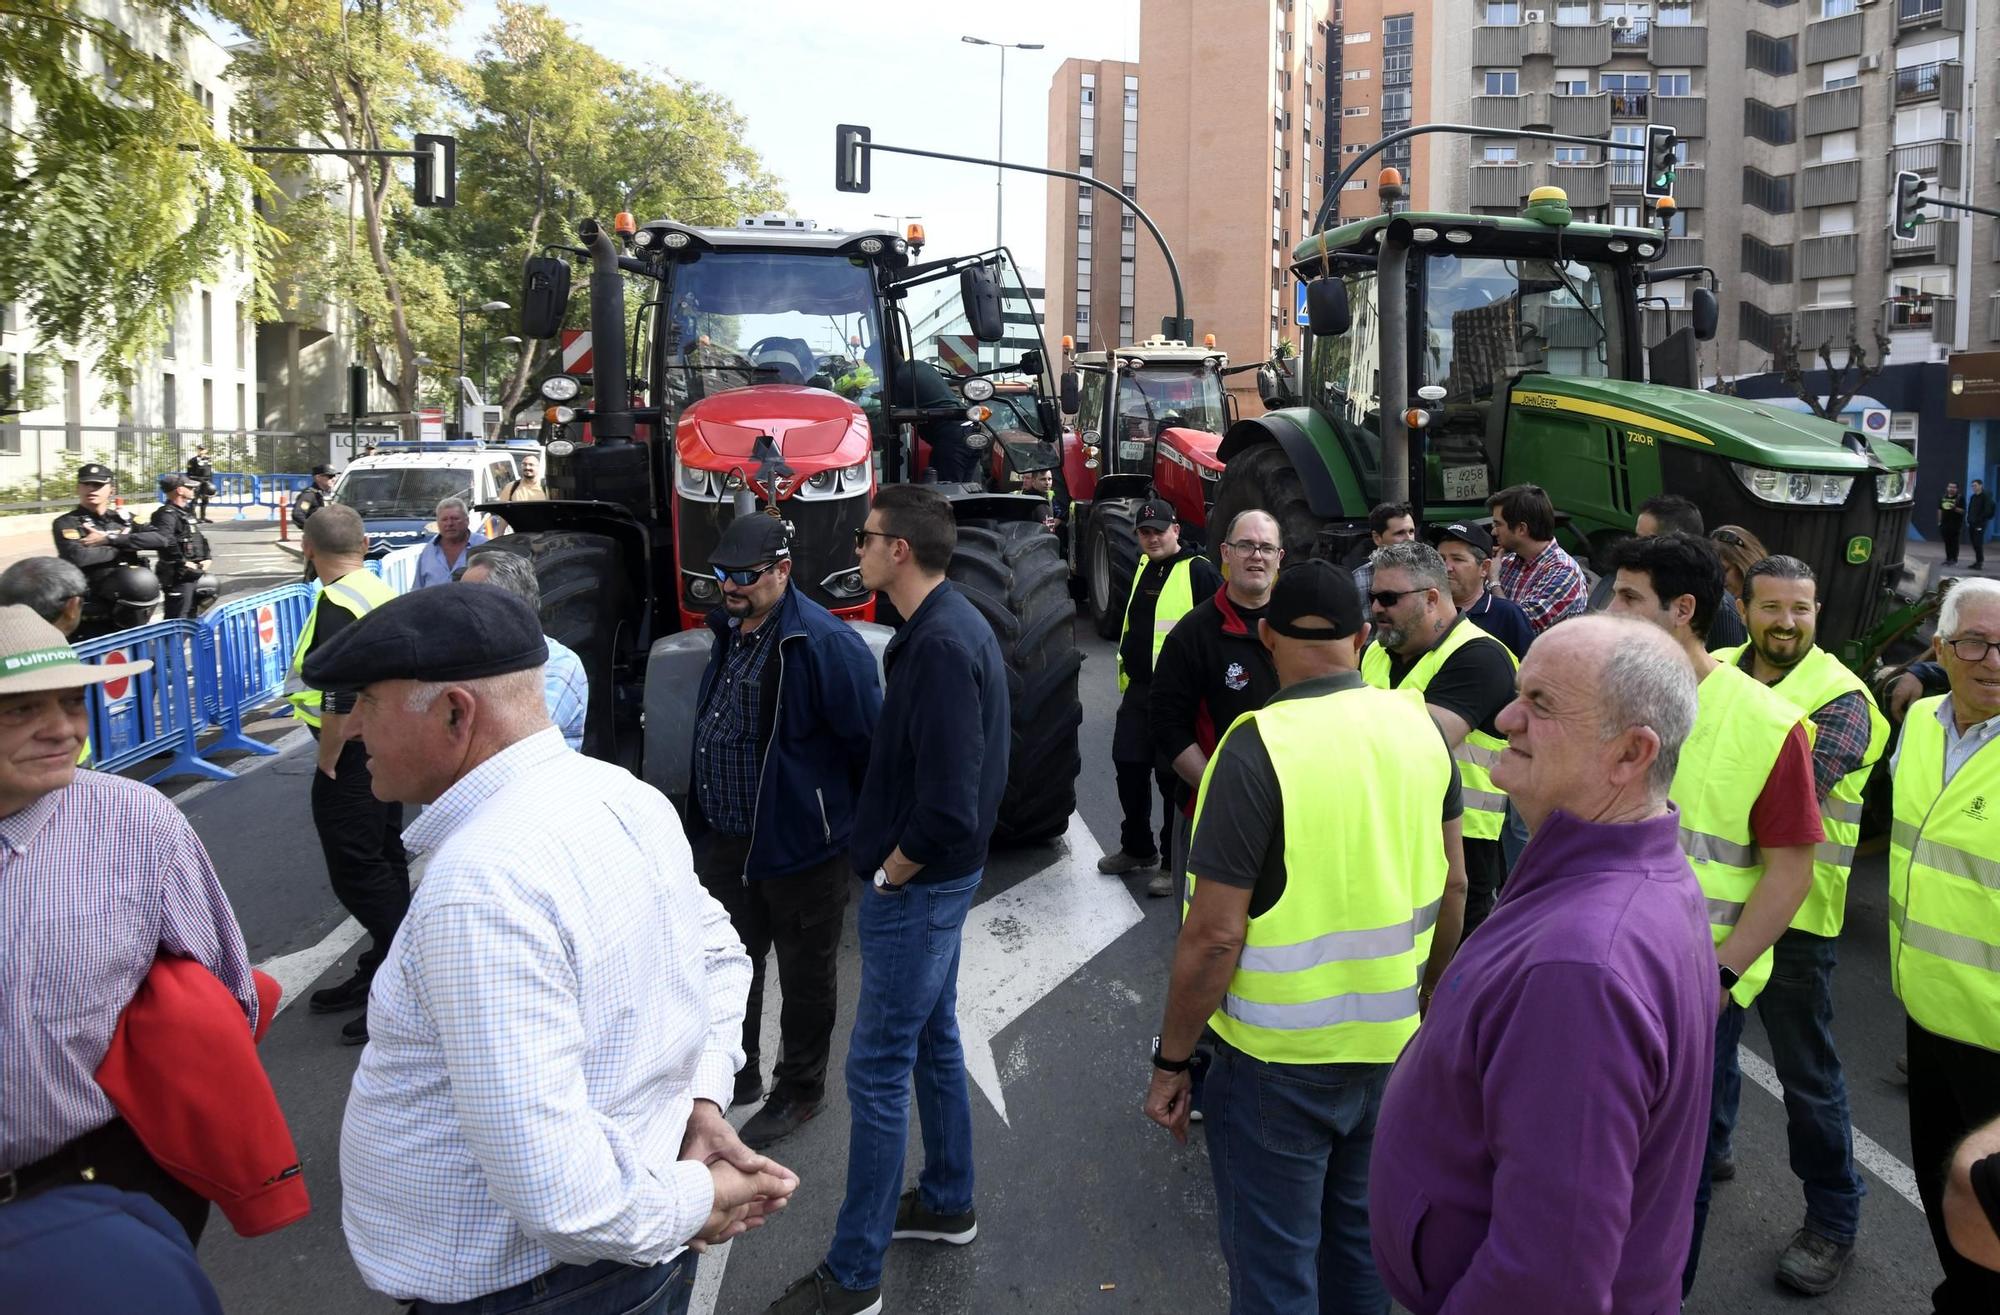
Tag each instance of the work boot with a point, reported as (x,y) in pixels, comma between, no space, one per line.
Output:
(355,1033)
(350,994)
(1160,886)
(1812,1264)
(917,1222)
(819,1294)
(749,1086)
(1722,1168)
(1118,864)
(779,1119)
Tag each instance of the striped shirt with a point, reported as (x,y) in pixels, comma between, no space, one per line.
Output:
(566,690)
(1549,589)
(560,993)
(96,880)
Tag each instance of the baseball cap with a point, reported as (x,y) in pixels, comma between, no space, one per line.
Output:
(1315,588)
(93,473)
(324,470)
(750,541)
(1155,514)
(466,632)
(172,481)
(1473,536)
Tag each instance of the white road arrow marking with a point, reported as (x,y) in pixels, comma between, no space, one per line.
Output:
(1026,941)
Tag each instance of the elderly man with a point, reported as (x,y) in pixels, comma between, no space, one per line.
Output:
(1466,677)
(102,875)
(565,686)
(1540,1140)
(1944,916)
(52,587)
(539,1110)
(449,548)
(1328,886)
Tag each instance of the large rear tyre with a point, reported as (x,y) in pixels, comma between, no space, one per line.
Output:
(1012,572)
(1113,554)
(1261,478)
(585,607)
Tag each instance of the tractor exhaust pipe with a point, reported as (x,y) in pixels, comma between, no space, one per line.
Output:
(611,400)
(1391,279)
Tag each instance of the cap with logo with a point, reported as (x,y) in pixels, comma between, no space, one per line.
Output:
(1315,588)
(1156,514)
(93,473)
(750,541)
(34,657)
(1466,532)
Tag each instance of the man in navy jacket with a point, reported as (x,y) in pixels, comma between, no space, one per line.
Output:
(926,811)
(787,709)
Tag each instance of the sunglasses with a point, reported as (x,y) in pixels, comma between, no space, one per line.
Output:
(861,537)
(745,578)
(1388,598)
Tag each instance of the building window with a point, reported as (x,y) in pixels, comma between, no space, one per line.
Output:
(1354,112)
(208,328)
(1769,123)
(1628,168)
(1572,82)
(1500,153)
(1837,73)
(1672,14)
(1675,82)
(1503,82)
(1773,195)
(1503,13)
(1776,56)
(1572,155)
(168,403)
(1835,8)
(1913,298)
(242,408)
(1625,216)
(1837,146)
(1833,292)
(1903,429)
(207,405)
(1771,264)
(1836,219)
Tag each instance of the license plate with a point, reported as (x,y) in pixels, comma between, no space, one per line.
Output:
(1131,450)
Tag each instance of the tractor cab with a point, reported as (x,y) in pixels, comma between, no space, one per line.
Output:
(1129,403)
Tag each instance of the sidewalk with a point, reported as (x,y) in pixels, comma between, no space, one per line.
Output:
(1923,562)
(31,535)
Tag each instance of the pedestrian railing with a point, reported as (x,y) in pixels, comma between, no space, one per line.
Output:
(149,713)
(246,653)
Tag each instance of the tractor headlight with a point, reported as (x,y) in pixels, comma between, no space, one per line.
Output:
(695,482)
(561,388)
(822,482)
(1896,486)
(1812,488)
(702,588)
(855,476)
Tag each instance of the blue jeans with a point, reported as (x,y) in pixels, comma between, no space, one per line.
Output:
(1513,836)
(1797,1009)
(1289,1145)
(905,1025)
(605,1288)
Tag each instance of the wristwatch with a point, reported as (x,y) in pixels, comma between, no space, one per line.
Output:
(1166,1065)
(882,881)
(1730,977)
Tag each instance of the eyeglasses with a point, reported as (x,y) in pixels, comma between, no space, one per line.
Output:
(1250,548)
(1388,598)
(1973,649)
(743,579)
(861,537)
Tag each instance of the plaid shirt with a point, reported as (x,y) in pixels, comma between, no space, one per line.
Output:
(727,755)
(1549,589)
(1840,734)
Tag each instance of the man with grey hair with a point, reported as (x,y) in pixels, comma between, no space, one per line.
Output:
(565,686)
(49,585)
(450,548)
(1466,677)
(1553,1109)
(555,1031)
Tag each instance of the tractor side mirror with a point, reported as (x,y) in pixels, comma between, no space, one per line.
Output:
(544,296)
(1704,313)
(1031,363)
(1326,307)
(1274,386)
(979,291)
(1071,389)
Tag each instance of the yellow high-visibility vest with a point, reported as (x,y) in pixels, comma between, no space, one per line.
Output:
(1329,974)
(1944,884)
(1485,802)
(359,592)
(1176,600)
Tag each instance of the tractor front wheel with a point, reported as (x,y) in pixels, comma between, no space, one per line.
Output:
(585,607)
(1113,555)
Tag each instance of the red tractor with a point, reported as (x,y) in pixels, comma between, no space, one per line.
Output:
(774,366)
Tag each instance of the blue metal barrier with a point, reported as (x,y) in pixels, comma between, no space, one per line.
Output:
(246,650)
(153,712)
(231,486)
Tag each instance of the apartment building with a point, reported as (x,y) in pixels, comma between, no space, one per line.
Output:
(1091,274)
(1378,58)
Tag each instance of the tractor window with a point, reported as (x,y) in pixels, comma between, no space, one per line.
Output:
(1343,383)
(941,334)
(1090,412)
(737,318)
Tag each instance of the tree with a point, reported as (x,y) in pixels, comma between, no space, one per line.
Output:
(1843,383)
(105,220)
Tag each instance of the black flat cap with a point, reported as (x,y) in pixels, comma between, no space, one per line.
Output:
(750,541)
(1315,588)
(444,633)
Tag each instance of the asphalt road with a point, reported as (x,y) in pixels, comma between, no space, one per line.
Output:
(1084,1206)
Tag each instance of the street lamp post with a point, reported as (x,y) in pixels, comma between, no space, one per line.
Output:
(487,307)
(1000,147)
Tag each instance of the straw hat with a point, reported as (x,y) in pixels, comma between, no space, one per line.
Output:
(35,657)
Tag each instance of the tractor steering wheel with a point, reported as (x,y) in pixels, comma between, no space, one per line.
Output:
(793,361)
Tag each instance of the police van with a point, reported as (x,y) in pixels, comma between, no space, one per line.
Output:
(397,489)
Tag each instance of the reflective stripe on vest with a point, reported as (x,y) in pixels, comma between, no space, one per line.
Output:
(1176,600)
(1944,885)
(1817,680)
(1739,729)
(1329,974)
(358,592)
(1485,802)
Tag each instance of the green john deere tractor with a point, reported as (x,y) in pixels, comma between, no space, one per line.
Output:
(1511,351)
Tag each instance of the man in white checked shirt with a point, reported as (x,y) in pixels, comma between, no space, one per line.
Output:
(537,1120)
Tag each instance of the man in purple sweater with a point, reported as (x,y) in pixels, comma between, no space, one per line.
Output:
(1540,1139)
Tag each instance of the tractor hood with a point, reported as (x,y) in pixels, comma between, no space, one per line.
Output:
(813,429)
(1734,428)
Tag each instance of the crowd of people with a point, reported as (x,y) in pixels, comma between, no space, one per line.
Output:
(1476,890)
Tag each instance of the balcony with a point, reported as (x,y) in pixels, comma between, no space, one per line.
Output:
(1913,14)
(1588,186)
(1500,113)
(1497,47)
(1760,328)
(1825,324)
(1633,34)
(1833,111)
(1686,115)
(1943,82)
(1630,104)
(1586,116)
(1935,239)
(1586,46)
(1940,161)
(1936,313)
(1500,186)
(1838,183)
(1832,256)
(1833,38)
(1684,251)
(1676,46)
(1690,187)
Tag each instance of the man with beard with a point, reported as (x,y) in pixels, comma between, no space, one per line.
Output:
(1782,609)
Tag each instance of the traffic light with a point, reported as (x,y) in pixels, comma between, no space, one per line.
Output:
(851,158)
(1909,204)
(1660,162)
(437,170)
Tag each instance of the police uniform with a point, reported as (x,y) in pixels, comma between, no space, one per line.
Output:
(201,473)
(311,498)
(122,590)
(182,561)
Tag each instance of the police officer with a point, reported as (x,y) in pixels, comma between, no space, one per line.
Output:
(1944,919)
(1169,581)
(183,562)
(201,474)
(102,542)
(313,496)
